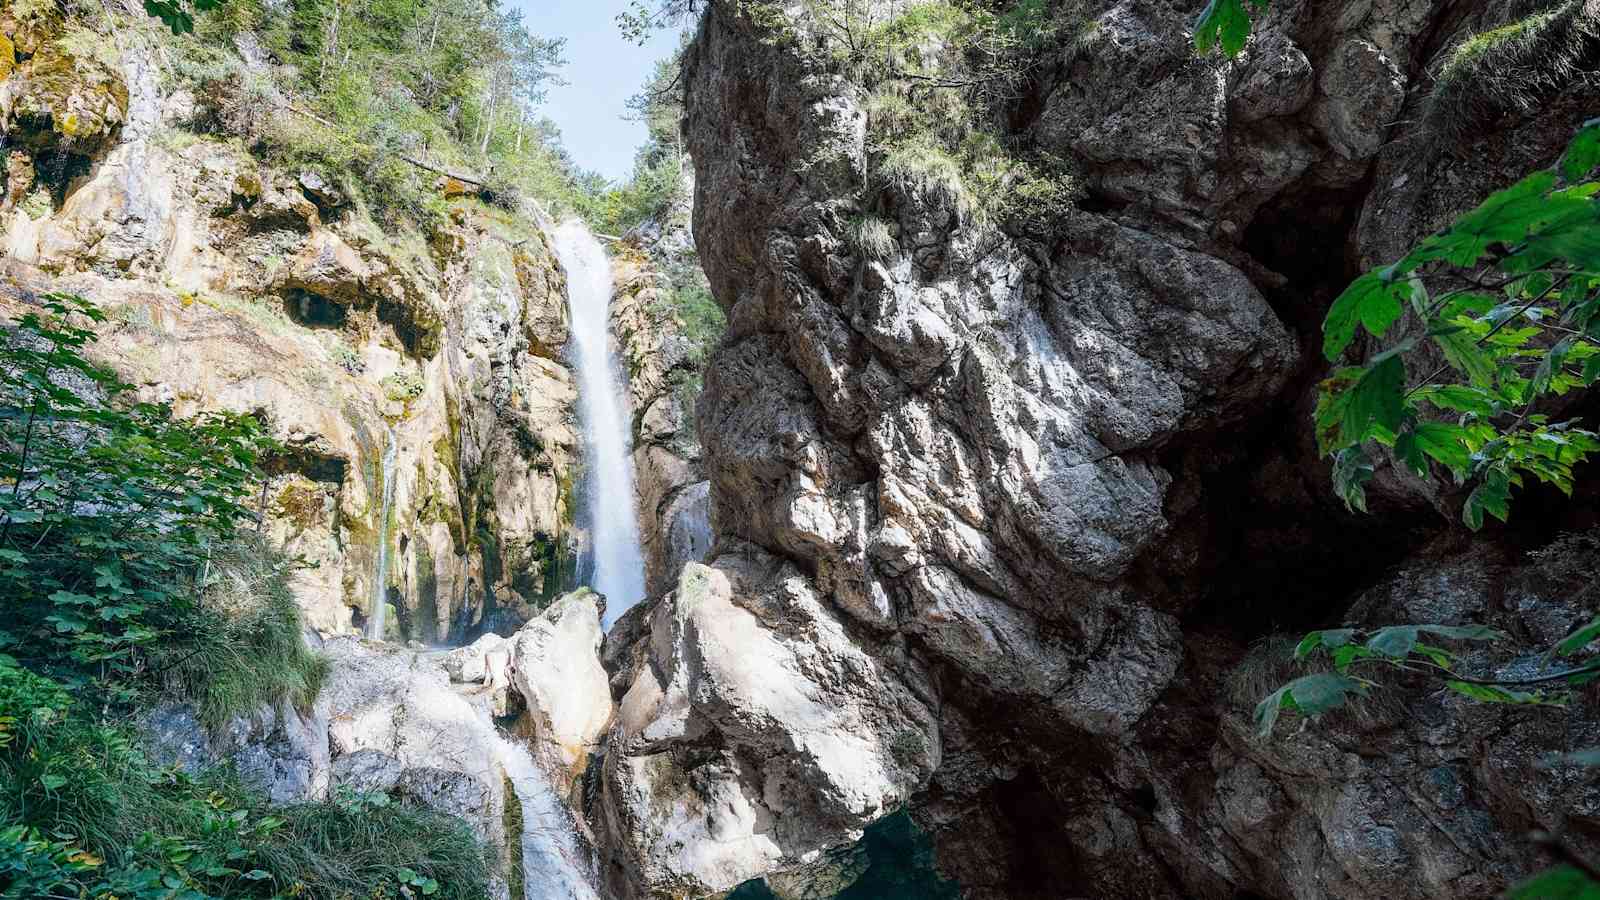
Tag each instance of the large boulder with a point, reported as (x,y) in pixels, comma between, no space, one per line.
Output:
(754,733)
(556,667)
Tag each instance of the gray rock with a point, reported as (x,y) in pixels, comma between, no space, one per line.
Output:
(367,772)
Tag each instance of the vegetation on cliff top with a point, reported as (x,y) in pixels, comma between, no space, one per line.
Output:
(941,79)
(381,98)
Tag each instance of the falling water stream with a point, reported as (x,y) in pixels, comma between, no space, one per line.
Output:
(554,865)
(380,598)
(616,558)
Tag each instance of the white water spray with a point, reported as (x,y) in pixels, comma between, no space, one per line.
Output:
(614,528)
(554,866)
(380,599)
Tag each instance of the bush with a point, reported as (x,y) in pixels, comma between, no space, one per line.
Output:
(126,570)
(111,505)
(402,387)
(84,813)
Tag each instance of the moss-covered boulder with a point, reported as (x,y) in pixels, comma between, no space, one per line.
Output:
(60,101)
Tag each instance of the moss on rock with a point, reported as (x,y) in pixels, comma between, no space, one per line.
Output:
(1507,69)
(57,101)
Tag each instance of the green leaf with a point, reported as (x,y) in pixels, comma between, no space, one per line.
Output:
(1560,883)
(1492,496)
(1445,443)
(1583,154)
(1316,694)
(1333,400)
(1331,638)
(1506,217)
(1553,360)
(1349,653)
(1222,23)
(1352,469)
(1459,398)
(52,782)
(1578,639)
(1377,401)
(1409,454)
(1462,632)
(1267,710)
(1591,370)
(1369,300)
(1493,693)
(1394,642)
(1437,655)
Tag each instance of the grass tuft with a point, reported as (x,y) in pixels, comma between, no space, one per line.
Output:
(1508,69)
(871,236)
(919,168)
(250,651)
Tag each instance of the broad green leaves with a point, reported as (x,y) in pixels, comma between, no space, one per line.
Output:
(1309,695)
(106,504)
(1583,154)
(1517,321)
(1559,883)
(1372,301)
(1375,406)
(1398,646)
(175,13)
(1224,24)
(1494,693)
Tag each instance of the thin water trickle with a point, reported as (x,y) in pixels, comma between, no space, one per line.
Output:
(380,598)
(616,557)
(554,865)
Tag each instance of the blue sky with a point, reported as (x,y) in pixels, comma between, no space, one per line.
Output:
(602,72)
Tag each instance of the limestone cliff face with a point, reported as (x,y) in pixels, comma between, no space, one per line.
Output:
(998,517)
(231,284)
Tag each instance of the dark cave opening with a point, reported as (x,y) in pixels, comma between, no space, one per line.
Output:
(1040,863)
(1286,555)
(313,310)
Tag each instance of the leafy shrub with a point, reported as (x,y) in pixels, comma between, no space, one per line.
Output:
(126,570)
(402,387)
(1509,297)
(346,358)
(105,503)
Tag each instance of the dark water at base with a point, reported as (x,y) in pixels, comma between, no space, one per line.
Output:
(899,866)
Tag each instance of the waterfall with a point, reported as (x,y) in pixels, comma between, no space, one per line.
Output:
(554,865)
(617,560)
(380,574)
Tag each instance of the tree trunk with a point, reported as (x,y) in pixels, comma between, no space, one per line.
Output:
(331,45)
(494,103)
